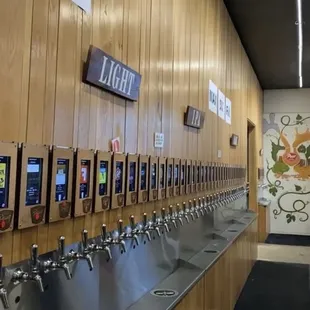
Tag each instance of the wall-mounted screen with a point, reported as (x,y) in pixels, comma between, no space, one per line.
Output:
(188,174)
(198,174)
(132,176)
(103,177)
(119,177)
(143,176)
(61,184)
(194,175)
(176,175)
(4,180)
(183,175)
(153,176)
(162,176)
(34,181)
(169,175)
(84,178)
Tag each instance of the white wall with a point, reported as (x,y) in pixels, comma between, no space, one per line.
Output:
(287,100)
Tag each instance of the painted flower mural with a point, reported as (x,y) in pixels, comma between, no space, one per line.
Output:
(287,165)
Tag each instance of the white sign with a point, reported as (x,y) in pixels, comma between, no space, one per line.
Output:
(228,111)
(212,97)
(84,5)
(159,139)
(221,105)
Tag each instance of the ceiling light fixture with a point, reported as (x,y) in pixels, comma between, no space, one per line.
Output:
(300,41)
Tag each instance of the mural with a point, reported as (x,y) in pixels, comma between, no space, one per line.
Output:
(287,166)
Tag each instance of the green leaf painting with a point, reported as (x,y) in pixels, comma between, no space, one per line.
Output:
(280,167)
(290,218)
(275,149)
(308,152)
(273,191)
(297,188)
(298,117)
(302,149)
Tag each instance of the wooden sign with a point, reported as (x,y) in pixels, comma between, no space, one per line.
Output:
(8,168)
(103,172)
(103,71)
(60,191)
(132,180)
(33,185)
(194,118)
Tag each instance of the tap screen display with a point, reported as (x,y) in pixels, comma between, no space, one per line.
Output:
(212,173)
(202,174)
(34,181)
(132,176)
(169,175)
(183,175)
(119,166)
(176,175)
(206,173)
(84,178)
(61,179)
(162,176)
(153,177)
(143,176)
(103,177)
(188,174)
(194,175)
(4,180)
(198,174)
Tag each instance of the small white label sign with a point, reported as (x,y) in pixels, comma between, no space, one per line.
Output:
(228,111)
(212,97)
(221,105)
(159,139)
(84,5)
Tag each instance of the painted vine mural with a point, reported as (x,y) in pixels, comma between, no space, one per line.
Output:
(287,165)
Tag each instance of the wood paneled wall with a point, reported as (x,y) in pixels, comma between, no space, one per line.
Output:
(221,286)
(177,46)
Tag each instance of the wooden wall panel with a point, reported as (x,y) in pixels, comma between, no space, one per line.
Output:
(177,46)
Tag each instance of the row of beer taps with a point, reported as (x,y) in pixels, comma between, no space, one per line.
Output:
(175,217)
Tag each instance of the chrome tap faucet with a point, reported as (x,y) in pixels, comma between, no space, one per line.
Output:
(172,217)
(164,220)
(179,214)
(144,228)
(3,292)
(62,261)
(119,239)
(200,207)
(106,241)
(154,224)
(20,276)
(193,209)
(204,204)
(133,231)
(185,212)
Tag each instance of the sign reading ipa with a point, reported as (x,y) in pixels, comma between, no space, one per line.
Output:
(104,71)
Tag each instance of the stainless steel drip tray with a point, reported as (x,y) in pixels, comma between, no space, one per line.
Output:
(190,272)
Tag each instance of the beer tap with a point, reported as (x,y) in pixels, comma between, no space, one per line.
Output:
(193,210)
(153,226)
(61,262)
(186,212)
(3,292)
(164,220)
(204,204)
(179,214)
(133,231)
(208,203)
(144,228)
(119,240)
(172,218)
(200,206)
(105,242)
(212,202)
(20,276)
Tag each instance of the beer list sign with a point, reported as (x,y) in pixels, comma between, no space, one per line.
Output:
(105,72)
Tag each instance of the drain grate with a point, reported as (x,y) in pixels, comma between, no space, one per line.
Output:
(232,230)
(211,251)
(164,293)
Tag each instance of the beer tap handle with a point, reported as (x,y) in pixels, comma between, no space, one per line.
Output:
(144,219)
(178,207)
(104,232)
(195,205)
(84,238)
(171,211)
(61,247)
(120,227)
(34,257)
(184,206)
(163,213)
(132,222)
(154,217)
(190,204)
(3,291)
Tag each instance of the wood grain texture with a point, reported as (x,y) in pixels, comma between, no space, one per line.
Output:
(176,45)
(221,286)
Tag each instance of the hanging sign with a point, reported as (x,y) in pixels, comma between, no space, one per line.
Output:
(194,118)
(159,139)
(103,71)
(212,97)
(221,105)
(228,111)
(84,5)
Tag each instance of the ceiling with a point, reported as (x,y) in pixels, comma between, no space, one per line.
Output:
(268,32)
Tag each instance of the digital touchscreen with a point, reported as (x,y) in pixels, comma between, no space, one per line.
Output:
(176,175)
(183,175)
(103,177)
(84,178)
(4,180)
(34,181)
(198,174)
(61,179)
(119,166)
(188,174)
(202,172)
(194,175)
(143,176)
(169,175)
(132,176)
(162,176)
(153,177)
